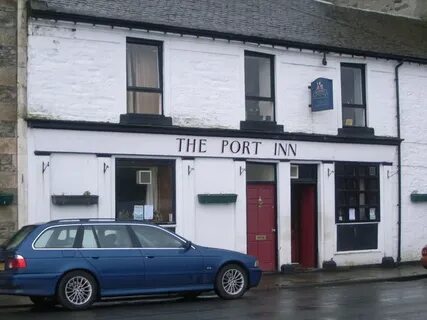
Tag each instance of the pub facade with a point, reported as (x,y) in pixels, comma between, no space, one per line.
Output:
(283,152)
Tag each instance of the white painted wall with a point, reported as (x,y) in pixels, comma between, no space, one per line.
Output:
(413,95)
(77,72)
(203,80)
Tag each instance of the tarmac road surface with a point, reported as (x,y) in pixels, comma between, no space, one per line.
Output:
(385,300)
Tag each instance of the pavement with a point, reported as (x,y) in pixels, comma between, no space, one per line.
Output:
(301,279)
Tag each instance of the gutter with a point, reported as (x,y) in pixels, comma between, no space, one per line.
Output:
(399,166)
(71,17)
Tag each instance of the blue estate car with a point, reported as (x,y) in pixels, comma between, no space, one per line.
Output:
(76,262)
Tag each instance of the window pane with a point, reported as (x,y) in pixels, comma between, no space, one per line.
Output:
(352,86)
(259,110)
(151,237)
(143,65)
(353,117)
(89,240)
(258,76)
(18,237)
(353,202)
(144,102)
(145,200)
(113,236)
(357,237)
(260,172)
(60,237)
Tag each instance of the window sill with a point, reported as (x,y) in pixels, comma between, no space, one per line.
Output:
(358,252)
(145,119)
(250,125)
(356,132)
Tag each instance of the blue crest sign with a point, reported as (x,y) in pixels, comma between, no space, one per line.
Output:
(321,95)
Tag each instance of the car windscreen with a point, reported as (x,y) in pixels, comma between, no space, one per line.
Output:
(17,238)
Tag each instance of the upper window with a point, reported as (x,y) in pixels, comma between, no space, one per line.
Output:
(144,76)
(353,95)
(58,237)
(259,86)
(151,237)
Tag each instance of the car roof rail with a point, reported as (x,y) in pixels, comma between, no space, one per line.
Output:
(99,219)
(83,220)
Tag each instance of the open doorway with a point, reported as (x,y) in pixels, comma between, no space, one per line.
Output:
(304,215)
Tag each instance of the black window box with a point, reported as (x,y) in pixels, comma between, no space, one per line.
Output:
(356,131)
(145,119)
(251,125)
(75,200)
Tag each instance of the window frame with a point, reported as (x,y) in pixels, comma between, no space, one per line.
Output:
(361,67)
(272,83)
(377,191)
(159,45)
(150,162)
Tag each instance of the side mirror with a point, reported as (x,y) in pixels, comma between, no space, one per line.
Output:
(187,245)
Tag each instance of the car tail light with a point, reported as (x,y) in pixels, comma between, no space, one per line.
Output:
(17,262)
(424,252)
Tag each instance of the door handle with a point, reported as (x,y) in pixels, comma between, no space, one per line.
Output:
(95,258)
(149,257)
(273,230)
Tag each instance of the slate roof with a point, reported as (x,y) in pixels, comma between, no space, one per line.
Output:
(300,23)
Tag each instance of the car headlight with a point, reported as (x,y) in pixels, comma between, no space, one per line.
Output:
(256,264)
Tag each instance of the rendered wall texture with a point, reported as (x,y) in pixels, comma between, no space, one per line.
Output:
(409,8)
(203,80)
(8,115)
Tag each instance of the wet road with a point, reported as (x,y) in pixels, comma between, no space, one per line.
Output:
(389,300)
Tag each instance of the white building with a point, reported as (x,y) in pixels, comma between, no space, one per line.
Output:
(199,119)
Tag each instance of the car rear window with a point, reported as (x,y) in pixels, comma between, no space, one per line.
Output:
(57,237)
(18,237)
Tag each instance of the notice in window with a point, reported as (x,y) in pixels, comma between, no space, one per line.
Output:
(148,212)
(138,212)
(372,214)
(351,214)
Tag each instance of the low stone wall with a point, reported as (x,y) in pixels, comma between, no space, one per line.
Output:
(8,116)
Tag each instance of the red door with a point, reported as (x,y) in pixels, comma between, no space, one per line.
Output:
(261,224)
(307,232)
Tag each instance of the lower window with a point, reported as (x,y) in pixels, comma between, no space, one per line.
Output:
(145,190)
(357,237)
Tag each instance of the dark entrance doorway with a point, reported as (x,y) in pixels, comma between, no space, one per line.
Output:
(304,216)
(261,214)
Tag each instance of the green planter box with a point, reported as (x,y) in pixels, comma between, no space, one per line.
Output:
(419,197)
(6,199)
(212,198)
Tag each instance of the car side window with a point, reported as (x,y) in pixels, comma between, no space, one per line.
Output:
(113,236)
(151,237)
(89,240)
(57,237)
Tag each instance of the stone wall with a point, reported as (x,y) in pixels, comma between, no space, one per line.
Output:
(8,115)
(409,8)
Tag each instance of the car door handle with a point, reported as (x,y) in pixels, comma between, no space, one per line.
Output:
(95,258)
(149,257)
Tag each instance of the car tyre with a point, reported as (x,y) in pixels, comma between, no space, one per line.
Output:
(43,302)
(77,290)
(231,282)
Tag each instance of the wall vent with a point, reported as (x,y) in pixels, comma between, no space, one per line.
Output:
(294,172)
(143,177)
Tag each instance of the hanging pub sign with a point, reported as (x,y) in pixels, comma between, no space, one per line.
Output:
(321,95)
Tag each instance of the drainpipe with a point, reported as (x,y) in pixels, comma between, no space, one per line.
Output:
(399,166)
